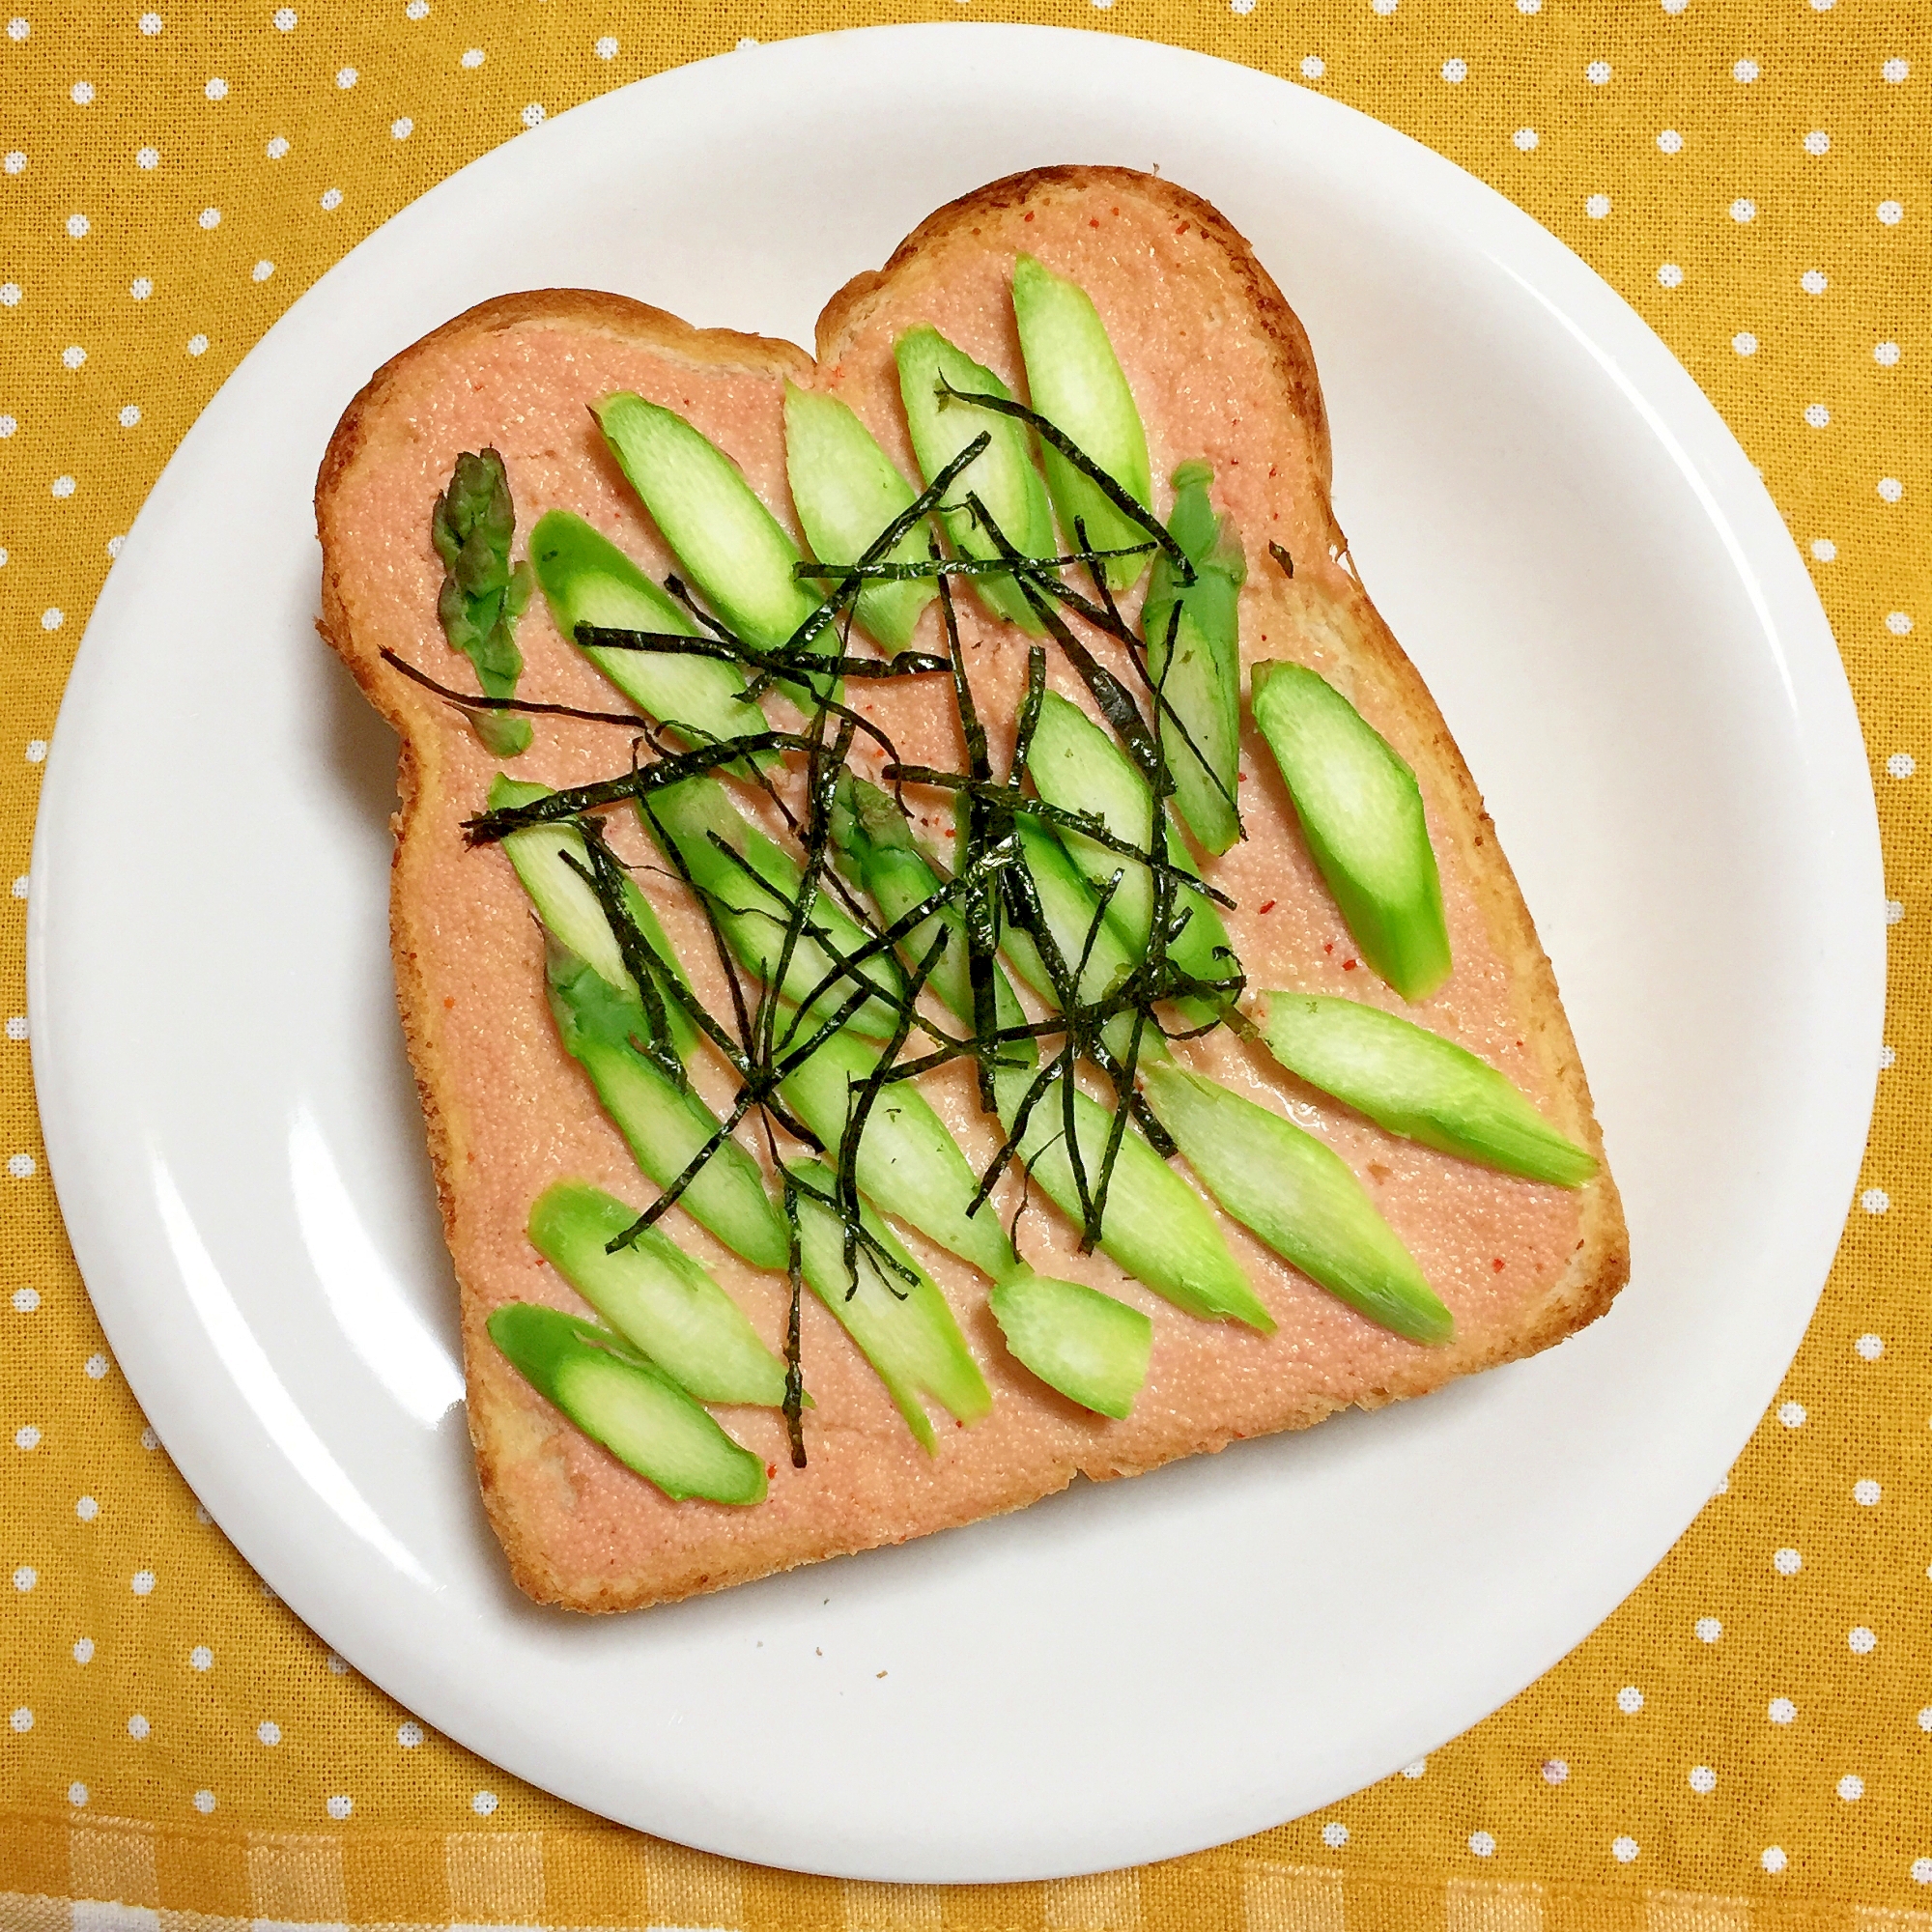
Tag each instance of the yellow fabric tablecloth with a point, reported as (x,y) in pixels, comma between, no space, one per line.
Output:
(1748,1743)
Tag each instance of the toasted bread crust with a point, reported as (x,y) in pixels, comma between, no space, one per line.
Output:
(513,1434)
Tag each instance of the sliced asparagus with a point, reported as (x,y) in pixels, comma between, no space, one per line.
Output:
(1077,384)
(733,547)
(1301,1197)
(878,853)
(905,1328)
(666,1127)
(482,597)
(1155,1226)
(1072,913)
(1090,1346)
(587,580)
(716,846)
(847,491)
(1201,682)
(1418,1085)
(1361,813)
(908,1163)
(551,863)
(1004,477)
(1076,766)
(628,1403)
(655,1296)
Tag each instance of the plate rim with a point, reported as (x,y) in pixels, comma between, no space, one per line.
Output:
(62,1111)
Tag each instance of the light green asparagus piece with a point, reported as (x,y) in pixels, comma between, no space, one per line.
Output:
(587,580)
(1301,1197)
(907,1162)
(1075,382)
(903,1325)
(622,1400)
(665,1127)
(736,551)
(717,845)
(847,490)
(655,1296)
(1201,683)
(1414,1083)
(1092,1347)
(1077,766)
(551,863)
(1361,813)
(1004,477)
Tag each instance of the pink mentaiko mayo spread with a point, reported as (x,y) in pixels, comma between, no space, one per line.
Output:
(513,1112)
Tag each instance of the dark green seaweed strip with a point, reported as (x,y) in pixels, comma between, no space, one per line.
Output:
(1116,701)
(959,566)
(603,637)
(794,1402)
(980,911)
(635,787)
(859,1109)
(668,1199)
(1057,440)
(603,876)
(469,701)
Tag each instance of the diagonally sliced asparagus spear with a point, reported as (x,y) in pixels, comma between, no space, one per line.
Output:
(902,1324)
(1414,1083)
(552,862)
(733,546)
(908,1164)
(655,1296)
(1301,1198)
(1361,813)
(1076,765)
(586,579)
(847,490)
(628,1403)
(1077,384)
(753,883)
(667,1128)
(1200,678)
(1090,1346)
(1003,478)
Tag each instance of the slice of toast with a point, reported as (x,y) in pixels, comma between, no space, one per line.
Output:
(1222,370)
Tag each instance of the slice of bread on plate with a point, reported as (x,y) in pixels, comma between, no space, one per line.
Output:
(1222,376)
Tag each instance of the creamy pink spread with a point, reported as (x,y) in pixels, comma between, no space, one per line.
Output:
(519,1114)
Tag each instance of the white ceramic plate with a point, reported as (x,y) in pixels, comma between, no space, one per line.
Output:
(1596,585)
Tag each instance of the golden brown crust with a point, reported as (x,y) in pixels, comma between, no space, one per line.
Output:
(1341,629)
